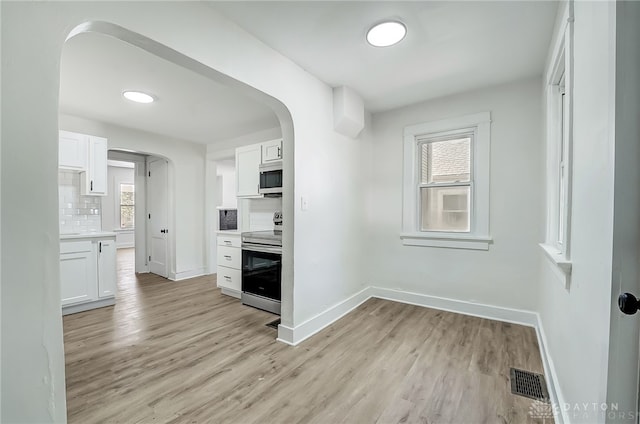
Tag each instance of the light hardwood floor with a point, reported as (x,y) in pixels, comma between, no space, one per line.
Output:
(181,352)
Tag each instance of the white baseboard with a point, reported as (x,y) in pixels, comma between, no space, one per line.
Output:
(498,313)
(230,292)
(553,383)
(301,332)
(183,275)
(73,309)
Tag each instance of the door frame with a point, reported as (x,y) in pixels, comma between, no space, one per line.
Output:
(170,260)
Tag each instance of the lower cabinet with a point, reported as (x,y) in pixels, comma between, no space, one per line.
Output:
(87,274)
(107,268)
(77,272)
(229,274)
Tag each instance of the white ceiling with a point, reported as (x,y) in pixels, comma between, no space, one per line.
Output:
(450,47)
(96,69)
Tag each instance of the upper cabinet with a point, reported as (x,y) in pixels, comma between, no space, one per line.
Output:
(248,161)
(88,155)
(94,182)
(247,174)
(272,151)
(72,151)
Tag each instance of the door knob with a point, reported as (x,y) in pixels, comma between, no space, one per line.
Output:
(628,303)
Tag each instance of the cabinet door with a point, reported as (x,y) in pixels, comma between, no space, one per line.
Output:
(106,268)
(272,151)
(77,277)
(247,173)
(72,151)
(97,183)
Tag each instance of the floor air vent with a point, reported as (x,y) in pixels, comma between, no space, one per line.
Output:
(274,324)
(528,384)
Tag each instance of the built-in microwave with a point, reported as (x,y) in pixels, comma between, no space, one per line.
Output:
(271,178)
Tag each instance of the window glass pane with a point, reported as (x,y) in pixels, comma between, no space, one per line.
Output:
(127,216)
(127,194)
(445,208)
(446,161)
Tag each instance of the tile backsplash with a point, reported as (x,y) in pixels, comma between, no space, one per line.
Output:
(78,214)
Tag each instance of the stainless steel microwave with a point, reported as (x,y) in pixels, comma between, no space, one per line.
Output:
(271,178)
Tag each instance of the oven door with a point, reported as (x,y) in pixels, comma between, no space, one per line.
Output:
(261,271)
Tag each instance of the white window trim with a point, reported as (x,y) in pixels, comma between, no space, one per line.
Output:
(478,238)
(559,254)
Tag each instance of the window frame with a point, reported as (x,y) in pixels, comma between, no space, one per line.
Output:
(478,237)
(559,150)
(120,205)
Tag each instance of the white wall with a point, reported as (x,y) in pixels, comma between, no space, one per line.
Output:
(576,321)
(116,175)
(506,274)
(226,174)
(32,355)
(186,185)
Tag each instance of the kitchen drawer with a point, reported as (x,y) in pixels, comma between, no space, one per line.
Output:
(229,256)
(75,247)
(229,240)
(229,278)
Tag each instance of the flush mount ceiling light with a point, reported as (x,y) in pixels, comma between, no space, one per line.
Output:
(138,96)
(386,34)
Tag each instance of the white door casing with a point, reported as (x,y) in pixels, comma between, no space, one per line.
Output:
(157,216)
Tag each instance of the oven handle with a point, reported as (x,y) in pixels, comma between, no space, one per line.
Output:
(262,249)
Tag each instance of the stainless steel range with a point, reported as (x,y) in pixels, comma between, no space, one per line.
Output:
(261,269)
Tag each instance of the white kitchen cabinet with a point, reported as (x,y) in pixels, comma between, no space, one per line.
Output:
(72,151)
(247,173)
(106,268)
(77,272)
(87,272)
(272,151)
(229,271)
(94,180)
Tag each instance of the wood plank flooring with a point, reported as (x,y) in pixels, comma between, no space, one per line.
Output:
(181,352)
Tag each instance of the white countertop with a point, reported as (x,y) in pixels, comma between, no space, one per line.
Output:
(96,234)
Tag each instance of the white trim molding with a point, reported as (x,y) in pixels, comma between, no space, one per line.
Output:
(478,238)
(299,333)
(183,275)
(553,383)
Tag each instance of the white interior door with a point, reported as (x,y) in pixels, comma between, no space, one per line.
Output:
(624,372)
(157,216)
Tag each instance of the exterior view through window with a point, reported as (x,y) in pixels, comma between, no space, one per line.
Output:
(445,184)
(127,205)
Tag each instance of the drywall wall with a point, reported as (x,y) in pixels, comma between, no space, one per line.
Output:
(226,173)
(576,320)
(506,274)
(116,175)
(186,186)
(325,165)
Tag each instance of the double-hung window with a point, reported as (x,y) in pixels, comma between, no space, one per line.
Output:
(446,183)
(559,137)
(127,205)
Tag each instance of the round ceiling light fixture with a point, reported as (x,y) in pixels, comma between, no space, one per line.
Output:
(138,96)
(386,33)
